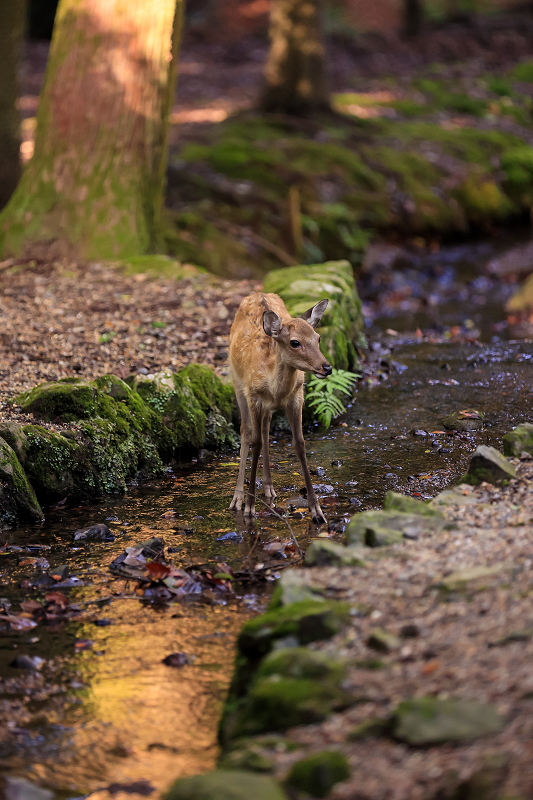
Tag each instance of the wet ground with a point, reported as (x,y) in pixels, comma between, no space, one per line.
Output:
(104,713)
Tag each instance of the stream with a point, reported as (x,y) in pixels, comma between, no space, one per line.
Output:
(104,716)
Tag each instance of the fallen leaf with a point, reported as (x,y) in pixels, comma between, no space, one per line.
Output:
(82,644)
(31,605)
(157,571)
(56,597)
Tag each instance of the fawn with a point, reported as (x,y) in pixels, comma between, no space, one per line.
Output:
(268,353)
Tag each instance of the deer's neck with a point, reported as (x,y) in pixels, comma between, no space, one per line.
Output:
(286,380)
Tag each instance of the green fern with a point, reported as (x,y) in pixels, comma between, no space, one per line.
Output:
(323,395)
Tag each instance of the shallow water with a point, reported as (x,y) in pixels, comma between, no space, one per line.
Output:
(114,714)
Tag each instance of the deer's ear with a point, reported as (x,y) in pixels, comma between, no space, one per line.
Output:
(272,324)
(314,315)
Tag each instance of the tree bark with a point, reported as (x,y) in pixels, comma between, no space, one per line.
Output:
(295,71)
(12,19)
(94,187)
(413,17)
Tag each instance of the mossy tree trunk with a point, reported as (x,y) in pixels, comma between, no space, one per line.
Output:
(295,71)
(12,18)
(94,187)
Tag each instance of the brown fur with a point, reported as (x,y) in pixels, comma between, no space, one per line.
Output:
(268,374)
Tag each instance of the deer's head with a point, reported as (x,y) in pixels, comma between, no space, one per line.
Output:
(297,341)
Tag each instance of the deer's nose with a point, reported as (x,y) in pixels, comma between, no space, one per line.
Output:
(328,369)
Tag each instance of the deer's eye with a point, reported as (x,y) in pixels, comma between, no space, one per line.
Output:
(319,338)
(294,343)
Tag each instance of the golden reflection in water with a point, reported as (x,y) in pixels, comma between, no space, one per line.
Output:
(155,723)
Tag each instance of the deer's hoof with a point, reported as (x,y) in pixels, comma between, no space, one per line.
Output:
(269,493)
(237,502)
(317,516)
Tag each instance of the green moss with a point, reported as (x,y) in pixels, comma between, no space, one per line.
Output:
(60,400)
(171,397)
(523,72)
(225,785)
(209,389)
(318,773)
(519,440)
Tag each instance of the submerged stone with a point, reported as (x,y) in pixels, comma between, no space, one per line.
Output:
(317,774)
(95,533)
(488,464)
(468,420)
(428,720)
(17,498)
(225,785)
(342,326)
(323,552)
(519,440)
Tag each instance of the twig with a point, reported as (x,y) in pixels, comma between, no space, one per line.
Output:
(287,523)
(270,247)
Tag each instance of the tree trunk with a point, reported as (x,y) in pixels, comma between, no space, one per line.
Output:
(295,71)
(12,18)
(413,17)
(94,187)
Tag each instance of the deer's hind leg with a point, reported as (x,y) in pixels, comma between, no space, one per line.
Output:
(268,489)
(239,496)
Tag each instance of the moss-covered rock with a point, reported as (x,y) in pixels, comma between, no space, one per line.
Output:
(323,552)
(17,498)
(11,432)
(383,641)
(409,505)
(342,325)
(488,464)
(293,586)
(66,400)
(209,389)
(225,785)
(467,420)
(382,528)
(317,774)
(429,720)
(518,441)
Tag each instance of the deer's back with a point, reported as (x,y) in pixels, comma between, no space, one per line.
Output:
(251,352)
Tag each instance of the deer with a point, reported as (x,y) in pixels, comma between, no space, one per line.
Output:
(269,351)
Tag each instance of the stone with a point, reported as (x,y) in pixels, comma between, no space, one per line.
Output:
(409,505)
(468,420)
(487,781)
(382,641)
(372,728)
(519,440)
(293,586)
(462,495)
(522,299)
(225,785)
(429,720)
(488,464)
(16,788)
(473,579)
(342,326)
(382,528)
(317,774)
(300,662)
(12,433)
(247,758)
(17,497)
(95,533)
(323,552)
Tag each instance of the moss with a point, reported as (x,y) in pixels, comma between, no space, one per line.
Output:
(171,397)
(318,773)
(60,400)
(17,498)
(225,785)
(209,389)
(409,505)
(519,440)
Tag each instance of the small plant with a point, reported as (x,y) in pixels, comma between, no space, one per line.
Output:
(323,395)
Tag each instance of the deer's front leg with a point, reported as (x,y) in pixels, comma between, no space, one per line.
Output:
(294,415)
(246,436)
(255,418)
(268,488)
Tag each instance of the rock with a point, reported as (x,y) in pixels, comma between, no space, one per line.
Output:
(292,587)
(428,720)
(488,464)
(68,400)
(473,579)
(342,326)
(487,781)
(519,440)
(20,789)
(96,533)
(231,537)
(300,662)
(32,663)
(381,528)
(462,495)
(247,758)
(12,433)
(17,497)
(409,505)
(524,635)
(382,641)
(225,785)
(318,773)
(323,552)
(410,631)
(468,420)
(205,456)
(372,728)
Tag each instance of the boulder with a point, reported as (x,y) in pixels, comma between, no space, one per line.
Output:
(342,326)
(468,420)
(17,498)
(488,464)
(293,586)
(409,505)
(324,552)
(462,495)
(225,785)
(382,528)
(473,579)
(518,441)
(317,774)
(429,720)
